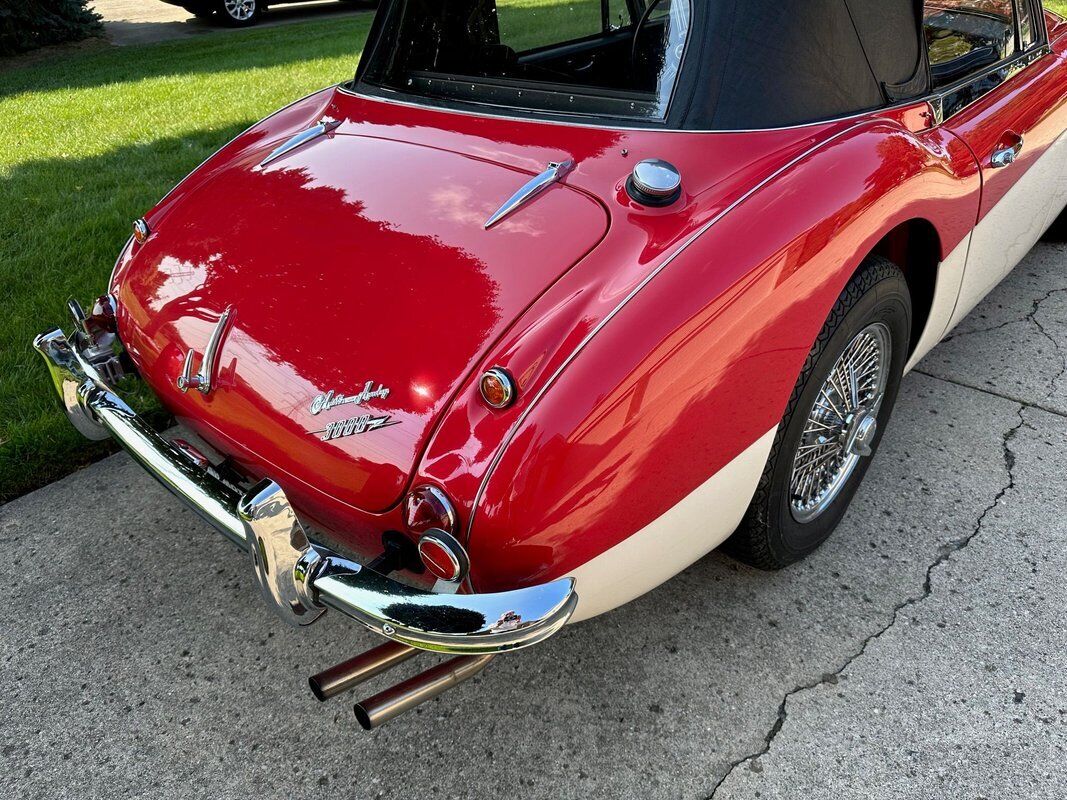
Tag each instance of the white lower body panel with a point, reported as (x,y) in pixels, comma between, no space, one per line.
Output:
(702,521)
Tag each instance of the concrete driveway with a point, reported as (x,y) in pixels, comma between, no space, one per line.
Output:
(920,654)
(148,21)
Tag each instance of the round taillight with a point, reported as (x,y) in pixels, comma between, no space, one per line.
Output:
(497,387)
(141,231)
(443,556)
(428,507)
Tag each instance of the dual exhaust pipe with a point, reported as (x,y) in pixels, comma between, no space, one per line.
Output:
(404,696)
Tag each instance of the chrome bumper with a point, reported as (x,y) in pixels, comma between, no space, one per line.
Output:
(300,579)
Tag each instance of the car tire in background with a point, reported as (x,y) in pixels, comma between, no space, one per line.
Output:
(834,422)
(240,13)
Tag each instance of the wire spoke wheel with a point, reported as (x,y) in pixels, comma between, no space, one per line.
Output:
(240,10)
(842,423)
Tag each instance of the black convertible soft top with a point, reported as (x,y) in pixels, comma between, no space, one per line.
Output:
(747,63)
(768,63)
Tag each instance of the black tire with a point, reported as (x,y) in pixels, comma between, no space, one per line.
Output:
(236,18)
(1058,230)
(769,536)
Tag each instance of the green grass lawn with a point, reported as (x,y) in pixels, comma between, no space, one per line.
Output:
(88,143)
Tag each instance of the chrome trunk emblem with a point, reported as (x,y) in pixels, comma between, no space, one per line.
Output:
(353,426)
(332,399)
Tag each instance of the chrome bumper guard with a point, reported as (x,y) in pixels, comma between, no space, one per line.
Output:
(299,578)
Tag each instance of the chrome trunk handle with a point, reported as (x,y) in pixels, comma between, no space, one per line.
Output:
(204,380)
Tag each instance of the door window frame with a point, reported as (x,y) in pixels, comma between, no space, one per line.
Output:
(948,101)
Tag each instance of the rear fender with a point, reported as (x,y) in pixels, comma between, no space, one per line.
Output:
(687,382)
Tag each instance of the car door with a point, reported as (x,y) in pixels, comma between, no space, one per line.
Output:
(1002,91)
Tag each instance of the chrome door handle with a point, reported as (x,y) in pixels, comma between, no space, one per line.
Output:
(1006,157)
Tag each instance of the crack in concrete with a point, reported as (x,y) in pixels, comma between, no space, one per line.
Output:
(1055,343)
(986,390)
(1029,317)
(945,553)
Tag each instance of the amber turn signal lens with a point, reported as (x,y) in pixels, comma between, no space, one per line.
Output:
(141,231)
(428,507)
(497,387)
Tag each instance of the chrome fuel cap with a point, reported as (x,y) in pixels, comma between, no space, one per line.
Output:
(654,182)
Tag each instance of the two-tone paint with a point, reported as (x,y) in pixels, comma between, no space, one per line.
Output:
(653,349)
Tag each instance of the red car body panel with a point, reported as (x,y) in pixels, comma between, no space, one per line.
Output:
(650,346)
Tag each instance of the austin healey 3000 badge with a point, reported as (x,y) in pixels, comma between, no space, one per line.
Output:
(351,426)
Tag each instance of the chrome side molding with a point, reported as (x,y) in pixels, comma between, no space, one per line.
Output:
(300,579)
(302,138)
(556,170)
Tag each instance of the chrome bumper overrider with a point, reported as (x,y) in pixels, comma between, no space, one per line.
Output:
(300,578)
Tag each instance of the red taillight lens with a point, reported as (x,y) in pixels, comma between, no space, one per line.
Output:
(443,556)
(428,507)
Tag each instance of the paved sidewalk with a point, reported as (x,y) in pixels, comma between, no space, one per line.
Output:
(147,21)
(920,654)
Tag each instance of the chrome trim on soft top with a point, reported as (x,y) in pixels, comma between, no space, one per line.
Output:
(300,578)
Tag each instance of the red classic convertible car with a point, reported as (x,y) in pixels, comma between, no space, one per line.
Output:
(551,300)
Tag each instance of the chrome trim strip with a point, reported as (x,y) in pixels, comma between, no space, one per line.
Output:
(300,139)
(533,187)
(300,577)
(514,429)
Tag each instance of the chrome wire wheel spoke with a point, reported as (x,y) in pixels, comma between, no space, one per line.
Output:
(841,423)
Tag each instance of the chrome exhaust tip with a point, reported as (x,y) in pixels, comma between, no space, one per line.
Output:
(349,674)
(395,700)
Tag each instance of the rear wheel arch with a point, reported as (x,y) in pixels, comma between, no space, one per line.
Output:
(915,246)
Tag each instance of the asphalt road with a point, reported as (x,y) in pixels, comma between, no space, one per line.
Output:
(147,21)
(920,654)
